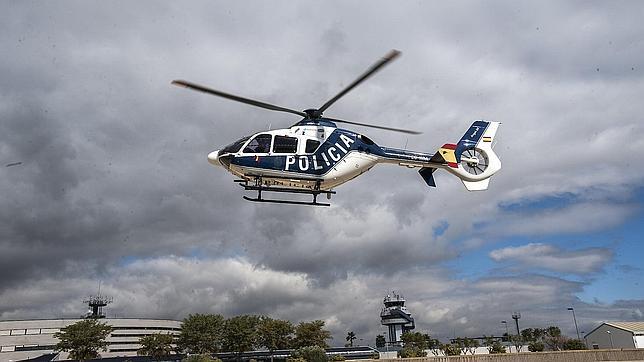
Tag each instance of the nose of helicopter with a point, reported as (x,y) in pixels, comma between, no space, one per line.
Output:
(213,158)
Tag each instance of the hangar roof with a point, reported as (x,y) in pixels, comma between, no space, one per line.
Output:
(635,327)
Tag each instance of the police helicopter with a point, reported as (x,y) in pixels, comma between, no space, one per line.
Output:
(314,156)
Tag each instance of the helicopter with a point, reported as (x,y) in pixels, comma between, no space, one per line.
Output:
(314,156)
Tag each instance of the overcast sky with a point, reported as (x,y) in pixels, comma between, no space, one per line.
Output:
(114,185)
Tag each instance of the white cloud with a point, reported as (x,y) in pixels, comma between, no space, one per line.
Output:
(549,257)
(173,287)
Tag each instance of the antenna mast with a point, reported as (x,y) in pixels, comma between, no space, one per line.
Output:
(96,304)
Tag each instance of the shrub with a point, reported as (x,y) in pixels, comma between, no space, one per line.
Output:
(310,354)
(535,347)
(452,349)
(295,359)
(200,358)
(411,351)
(496,348)
(573,344)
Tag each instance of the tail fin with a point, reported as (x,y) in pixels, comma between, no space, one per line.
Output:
(472,158)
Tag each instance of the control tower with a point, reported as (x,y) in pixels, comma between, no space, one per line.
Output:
(396,317)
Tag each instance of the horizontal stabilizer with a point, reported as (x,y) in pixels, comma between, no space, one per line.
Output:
(476,185)
(427,173)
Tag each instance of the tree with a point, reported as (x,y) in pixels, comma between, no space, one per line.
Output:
(467,345)
(415,344)
(83,339)
(553,338)
(380,341)
(415,339)
(274,334)
(533,337)
(350,338)
(434,345)
(517,342)
(155,345)
(240,333)
(310,354)
(573,344)
(496,348)
(411,351)
(532,334)
(493,345)
(451,349)
(536,346)
(311,334)
(201,333)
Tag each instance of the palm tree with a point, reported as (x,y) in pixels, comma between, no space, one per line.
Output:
(351,337)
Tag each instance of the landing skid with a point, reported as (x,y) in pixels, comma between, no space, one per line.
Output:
(260,188)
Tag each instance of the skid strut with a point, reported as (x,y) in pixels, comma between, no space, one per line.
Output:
(257,186)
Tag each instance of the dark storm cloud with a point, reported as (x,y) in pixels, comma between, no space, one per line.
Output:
(115,185)
(102,177)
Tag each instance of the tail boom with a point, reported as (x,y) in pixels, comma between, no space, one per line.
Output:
(472,159)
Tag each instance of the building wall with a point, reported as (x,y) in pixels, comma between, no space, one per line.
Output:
(639,341)
(601,340)
(32,338)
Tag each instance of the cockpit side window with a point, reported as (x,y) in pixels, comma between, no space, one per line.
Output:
(235,146)
(311,146)
(260,144)
(284,144)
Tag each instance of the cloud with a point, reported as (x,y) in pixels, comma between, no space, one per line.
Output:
(550,257)
(173,287)
(115,185)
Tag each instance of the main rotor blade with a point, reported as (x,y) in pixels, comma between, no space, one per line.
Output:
(252,102)
(374,68)
(374,126)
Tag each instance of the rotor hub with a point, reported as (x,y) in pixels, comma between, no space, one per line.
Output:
(313,113)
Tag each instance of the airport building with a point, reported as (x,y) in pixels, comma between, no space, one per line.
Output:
(616,335)
(28,339)
(32,338)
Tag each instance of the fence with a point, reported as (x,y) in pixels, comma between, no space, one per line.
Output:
(560,356)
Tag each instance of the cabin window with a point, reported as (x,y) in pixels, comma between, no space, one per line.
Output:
(285,144)
(311,146)
(260,144)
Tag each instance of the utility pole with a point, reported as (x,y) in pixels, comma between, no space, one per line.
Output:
(516,316)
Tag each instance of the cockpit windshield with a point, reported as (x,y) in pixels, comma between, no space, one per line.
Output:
(235,146)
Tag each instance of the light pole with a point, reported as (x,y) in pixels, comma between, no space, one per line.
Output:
(610,335)
(575,319)
(585,340)
(507,334)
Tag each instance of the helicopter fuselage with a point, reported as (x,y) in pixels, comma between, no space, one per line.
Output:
(310,155)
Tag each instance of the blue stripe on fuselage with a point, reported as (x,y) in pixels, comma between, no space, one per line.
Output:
(405,155)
